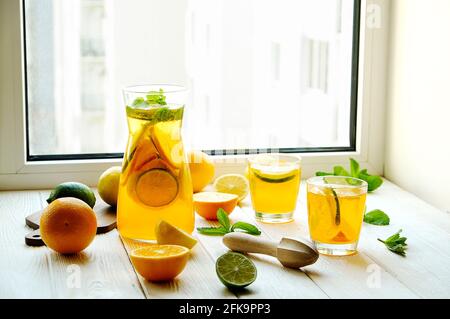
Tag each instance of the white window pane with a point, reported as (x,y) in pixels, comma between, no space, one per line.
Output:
(262,73)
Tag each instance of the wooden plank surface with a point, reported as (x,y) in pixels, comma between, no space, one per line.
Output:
(106,272)
(101,271)
(426,269)
(197,281)
(273,280)
(338,277)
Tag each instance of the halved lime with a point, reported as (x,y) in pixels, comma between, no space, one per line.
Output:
(235,270)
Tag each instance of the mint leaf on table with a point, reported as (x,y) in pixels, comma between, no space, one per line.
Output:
(396,244)
(212,231)
(340,171)
(223,219)
(324,174)
(226,227)
(354,168)
(246,227)
(377,217)
(374,182)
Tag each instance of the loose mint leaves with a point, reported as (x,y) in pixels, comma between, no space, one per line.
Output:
(396,244)
(226,227)
(377,217)
(374,182)
(223,219)
(212,231)
(246,228)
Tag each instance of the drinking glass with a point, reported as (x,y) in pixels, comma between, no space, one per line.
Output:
(274,184)
(336,207)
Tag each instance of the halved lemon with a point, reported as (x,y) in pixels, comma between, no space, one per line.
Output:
(160,262)
(232,184)
(167,138)
(167,233)
(206,204)
(156,187)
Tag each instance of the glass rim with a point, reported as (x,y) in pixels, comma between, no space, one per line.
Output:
(294,158)
(315,179)
(146,87)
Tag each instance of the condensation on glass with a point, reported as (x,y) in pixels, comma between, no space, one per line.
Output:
(262,74)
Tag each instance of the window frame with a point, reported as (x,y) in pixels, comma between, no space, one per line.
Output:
(18,170)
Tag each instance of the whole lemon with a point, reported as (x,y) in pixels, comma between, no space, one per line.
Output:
(108,185)
(68,225)
(202,169)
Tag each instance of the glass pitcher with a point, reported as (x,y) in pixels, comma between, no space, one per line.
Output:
(155,183)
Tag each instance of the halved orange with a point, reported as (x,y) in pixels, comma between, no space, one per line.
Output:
(160,262)
(156,187)
(207,203)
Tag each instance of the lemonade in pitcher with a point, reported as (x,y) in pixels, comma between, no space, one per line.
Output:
(155,183)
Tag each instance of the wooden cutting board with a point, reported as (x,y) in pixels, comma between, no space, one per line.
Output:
(106,221)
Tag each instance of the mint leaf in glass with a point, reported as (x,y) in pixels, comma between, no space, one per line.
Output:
(140,103)
(156,97)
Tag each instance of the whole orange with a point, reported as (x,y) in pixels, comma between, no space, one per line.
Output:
(202,169)
(68,225)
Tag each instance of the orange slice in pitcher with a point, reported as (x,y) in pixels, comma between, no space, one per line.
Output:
(145,152)
(167,138)
(142,150)
(156,187)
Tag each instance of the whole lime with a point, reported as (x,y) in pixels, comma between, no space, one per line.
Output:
(108,185)
(73,189)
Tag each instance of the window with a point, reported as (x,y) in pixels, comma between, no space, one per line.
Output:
(263,74)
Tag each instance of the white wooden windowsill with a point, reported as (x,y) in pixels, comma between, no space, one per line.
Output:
(105,270)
